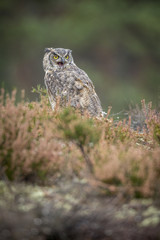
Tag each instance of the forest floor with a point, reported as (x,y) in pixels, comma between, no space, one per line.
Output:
(74,209)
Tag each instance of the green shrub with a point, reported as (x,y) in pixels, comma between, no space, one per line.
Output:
(156,132)
(78,129)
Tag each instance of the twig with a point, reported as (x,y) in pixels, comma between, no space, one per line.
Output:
(88,161)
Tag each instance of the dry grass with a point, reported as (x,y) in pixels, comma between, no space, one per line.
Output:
(37,144)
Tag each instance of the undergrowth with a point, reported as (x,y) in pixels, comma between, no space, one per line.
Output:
(40,145)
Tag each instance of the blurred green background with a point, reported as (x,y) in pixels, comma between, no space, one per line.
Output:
(117,42)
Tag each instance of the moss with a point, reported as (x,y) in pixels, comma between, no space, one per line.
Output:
(150,221)
(125,213)
(151,211)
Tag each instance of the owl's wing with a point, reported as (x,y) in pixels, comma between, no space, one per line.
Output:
(80,74)
(50,81)
(88,99)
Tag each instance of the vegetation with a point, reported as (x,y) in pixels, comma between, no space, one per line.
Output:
(37,144)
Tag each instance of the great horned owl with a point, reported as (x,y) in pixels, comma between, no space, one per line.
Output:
(68,83)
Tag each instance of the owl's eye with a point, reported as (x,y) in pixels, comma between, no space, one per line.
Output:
(66,57)
(55,56)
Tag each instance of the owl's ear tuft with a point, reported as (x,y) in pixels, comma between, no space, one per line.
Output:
(46,50)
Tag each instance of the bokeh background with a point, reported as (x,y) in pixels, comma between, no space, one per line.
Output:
(117,42)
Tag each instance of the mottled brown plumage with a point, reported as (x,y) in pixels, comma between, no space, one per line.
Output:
(69,84)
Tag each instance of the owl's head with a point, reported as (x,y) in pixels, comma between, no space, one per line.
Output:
(57,58)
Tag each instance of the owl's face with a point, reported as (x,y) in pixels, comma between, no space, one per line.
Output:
(57,58)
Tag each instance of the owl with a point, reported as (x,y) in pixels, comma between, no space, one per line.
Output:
(68,84)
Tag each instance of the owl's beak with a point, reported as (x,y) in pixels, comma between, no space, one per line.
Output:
(62,60)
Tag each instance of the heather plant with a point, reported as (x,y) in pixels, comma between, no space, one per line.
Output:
(147,120)
(134,170)
(119,131)
(28,148)
(153,125)
(38,144)
(129,159)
